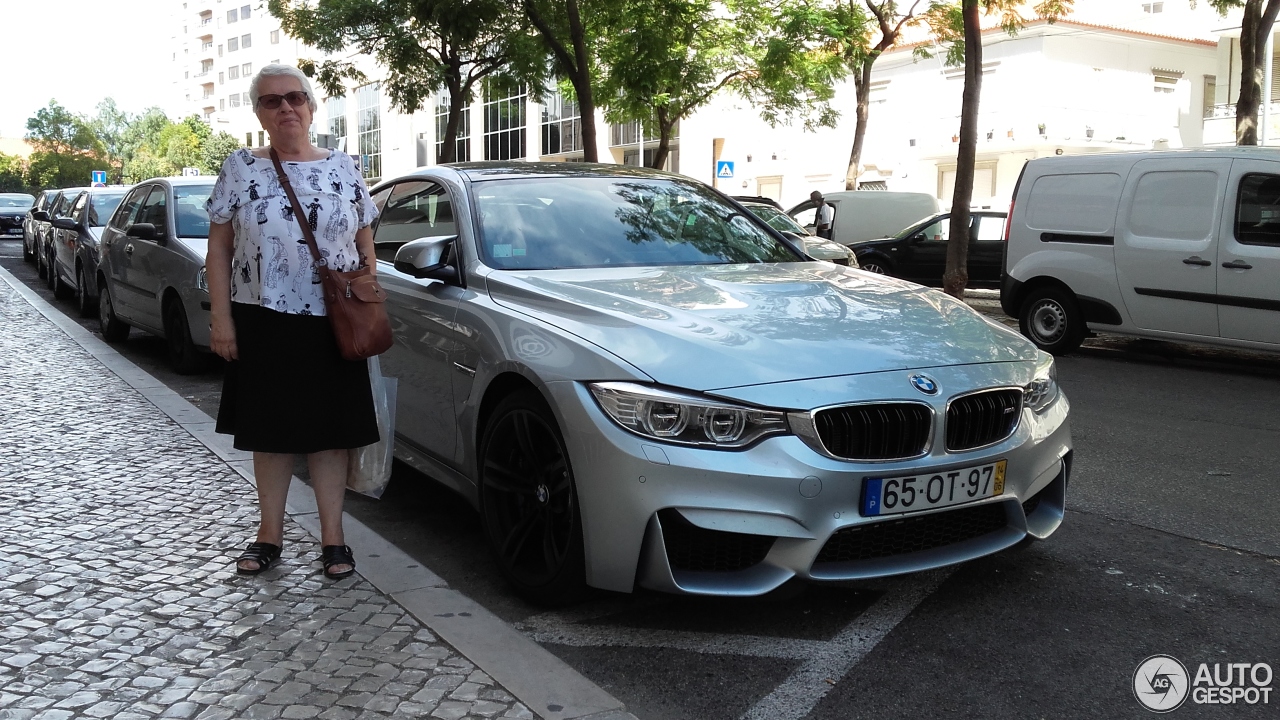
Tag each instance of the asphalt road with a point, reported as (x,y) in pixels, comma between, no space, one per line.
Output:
(1171,546)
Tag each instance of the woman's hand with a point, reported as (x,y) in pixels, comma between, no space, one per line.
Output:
(222,338)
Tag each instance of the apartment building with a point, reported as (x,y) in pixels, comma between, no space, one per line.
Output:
(221,44)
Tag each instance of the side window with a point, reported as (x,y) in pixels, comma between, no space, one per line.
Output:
(806,217)
(1177,205)
(128,213)
(380,201)
(77,208)
(60,208)
(990,229)
(939,232)
(414,210)
(1258,210)
(155,211)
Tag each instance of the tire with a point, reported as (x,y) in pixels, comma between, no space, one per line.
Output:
(113,328)
(27,255)
(86,303)
(875,265)
(527,493)
(51,271)
(183,354)
(41,269)
(1051,319)
(61,290)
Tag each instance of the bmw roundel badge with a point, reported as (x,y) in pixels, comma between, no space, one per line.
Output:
(924,384)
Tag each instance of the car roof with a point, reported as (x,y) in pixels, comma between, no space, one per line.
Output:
(494,170)
(182,180)
(16,195)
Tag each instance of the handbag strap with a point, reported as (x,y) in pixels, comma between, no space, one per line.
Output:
(297,209)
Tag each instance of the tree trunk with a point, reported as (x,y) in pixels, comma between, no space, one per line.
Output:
(665,126)
(956,276)
(449,143)
(862,90)
(581,79)
(1250,77)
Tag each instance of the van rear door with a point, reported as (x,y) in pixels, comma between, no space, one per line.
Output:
(1248,261)
(1166,243)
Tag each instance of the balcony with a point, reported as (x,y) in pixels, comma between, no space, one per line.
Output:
(1220,125)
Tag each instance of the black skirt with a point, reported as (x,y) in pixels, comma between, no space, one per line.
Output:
(290,391)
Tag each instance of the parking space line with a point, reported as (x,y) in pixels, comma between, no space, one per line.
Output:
(562,633)
(796,696)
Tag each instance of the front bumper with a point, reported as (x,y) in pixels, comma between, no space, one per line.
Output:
(691,520)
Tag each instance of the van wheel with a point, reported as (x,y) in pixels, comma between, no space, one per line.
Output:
(528,502)
(186,358)
(113,328)
(1051,319)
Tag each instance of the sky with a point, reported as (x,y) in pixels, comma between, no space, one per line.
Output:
(81,51)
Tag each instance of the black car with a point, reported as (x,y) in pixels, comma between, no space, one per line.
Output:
(75,245)
(919,253)
(13,210)
(59,207)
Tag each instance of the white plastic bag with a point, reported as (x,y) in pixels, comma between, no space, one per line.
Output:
(369,469)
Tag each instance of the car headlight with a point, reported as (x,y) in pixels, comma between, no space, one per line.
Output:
(1043,390)
(685,419)
(202,281)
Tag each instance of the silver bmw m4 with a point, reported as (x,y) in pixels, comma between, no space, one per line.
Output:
(637,382)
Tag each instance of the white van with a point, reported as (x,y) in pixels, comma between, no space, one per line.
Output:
(868,214)
(1175,245)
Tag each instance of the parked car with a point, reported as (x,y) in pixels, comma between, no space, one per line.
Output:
(759,200)
(867,214)
(151,268)
(919,253)
(13,210)
(31,226)
(75,246)
(816,247)
(1180,246)
(59,207)
(636,384)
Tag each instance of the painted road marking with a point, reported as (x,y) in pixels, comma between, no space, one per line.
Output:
(823,662)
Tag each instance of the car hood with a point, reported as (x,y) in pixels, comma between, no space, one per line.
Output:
(199,246)
(706,327)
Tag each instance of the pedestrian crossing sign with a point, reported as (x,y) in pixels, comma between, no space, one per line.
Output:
(724,169)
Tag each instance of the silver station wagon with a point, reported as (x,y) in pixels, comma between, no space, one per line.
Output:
(637,383)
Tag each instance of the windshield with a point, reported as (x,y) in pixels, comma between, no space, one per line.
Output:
(188,210)
(16,202)
(101,205)
(776,219)
(546,223)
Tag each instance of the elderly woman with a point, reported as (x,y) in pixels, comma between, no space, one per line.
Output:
(287,390)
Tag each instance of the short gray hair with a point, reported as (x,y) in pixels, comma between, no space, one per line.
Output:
(280,69)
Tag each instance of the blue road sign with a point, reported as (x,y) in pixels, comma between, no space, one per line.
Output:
(724,169)
(99,177)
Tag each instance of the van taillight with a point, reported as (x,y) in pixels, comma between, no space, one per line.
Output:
(1008,222)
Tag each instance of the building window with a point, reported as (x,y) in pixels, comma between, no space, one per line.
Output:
(627,137)
(504,108)
(248,139)
(462,146)
(245,96)
(244,12)
(247,69)
(561,125)
(221,78)
(219,49)
(235,100)
(1153,7)
(369,130)
(246,41)
(234,72)
(1165,81)
(205,66)
(186,74)
(222,104)
(275,37)
(232,16)
(336,110)
(1210,94)
(233,44)
(262,140)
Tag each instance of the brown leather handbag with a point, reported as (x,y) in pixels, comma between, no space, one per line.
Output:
(354,301)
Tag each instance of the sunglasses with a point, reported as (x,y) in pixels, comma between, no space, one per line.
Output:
(296,98)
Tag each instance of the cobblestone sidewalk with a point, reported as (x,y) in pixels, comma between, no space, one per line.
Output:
(118,596)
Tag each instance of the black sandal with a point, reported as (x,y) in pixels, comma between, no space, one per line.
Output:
(332,555)
(265,554)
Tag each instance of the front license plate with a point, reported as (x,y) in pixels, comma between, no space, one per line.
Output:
(912,493)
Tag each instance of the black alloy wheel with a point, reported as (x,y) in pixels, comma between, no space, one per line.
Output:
(85,302)
(113,328)
(528,502)
(183,354)
(873,264)
(1051,319)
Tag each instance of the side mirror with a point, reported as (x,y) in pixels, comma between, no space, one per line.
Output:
(429,258)
(64,223)
(40,216)
(142,231)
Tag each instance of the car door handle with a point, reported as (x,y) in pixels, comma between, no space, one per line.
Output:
(1194,260)
(128,249)
(1237,265)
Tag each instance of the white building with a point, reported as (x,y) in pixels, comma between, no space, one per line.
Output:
(1118,75)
